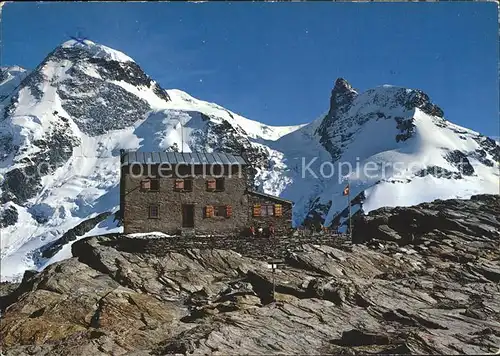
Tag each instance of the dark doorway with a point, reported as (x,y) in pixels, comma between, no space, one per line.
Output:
(187,215)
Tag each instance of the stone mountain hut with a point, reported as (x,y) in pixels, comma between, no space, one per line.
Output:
(201,193)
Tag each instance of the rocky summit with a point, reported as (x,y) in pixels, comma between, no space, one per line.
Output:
(418,280)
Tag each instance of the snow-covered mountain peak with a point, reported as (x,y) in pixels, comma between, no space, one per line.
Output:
(77,92)
(413,153)
(100,88)
(349,111)
(98,50)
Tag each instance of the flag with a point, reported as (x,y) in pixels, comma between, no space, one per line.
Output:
(346,190)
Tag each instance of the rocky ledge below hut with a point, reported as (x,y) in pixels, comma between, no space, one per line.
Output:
(424,280)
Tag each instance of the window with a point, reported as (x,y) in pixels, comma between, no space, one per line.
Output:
(266,210)
(155,185)
(216,169)
(151,185)
(183,185)
(219,184)
(220,210)
(154,211)
(135,169)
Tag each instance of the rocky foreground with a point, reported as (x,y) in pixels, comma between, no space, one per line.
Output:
(422,280)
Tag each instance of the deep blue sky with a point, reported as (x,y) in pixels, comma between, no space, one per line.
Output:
(277,62)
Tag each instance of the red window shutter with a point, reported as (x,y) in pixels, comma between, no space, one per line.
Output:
(209,211)
(179,184)
(211,184)
(229,211)
(256,210)
(278,210)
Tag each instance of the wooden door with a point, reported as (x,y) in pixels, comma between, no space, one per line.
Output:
(187,215)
